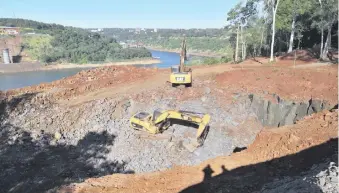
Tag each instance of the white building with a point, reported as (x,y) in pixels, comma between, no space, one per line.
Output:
(97,30)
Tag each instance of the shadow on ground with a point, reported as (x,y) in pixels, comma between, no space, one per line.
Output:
(33,162)
(15,103)
(252,178)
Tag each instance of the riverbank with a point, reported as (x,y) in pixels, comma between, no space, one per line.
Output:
(28,67)
(132,62)
(194,53)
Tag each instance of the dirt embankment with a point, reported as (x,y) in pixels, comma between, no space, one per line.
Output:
(89,81)
(288,83)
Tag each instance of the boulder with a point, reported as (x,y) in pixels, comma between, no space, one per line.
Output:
(290,116)
(273,113)
(316,105)
(301,111)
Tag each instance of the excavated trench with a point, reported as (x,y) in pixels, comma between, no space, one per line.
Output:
(96,138)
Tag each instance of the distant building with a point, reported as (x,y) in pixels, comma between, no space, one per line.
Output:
(9,30)
(140,45)
(97,30)
(155,30)
(123,45)
(136,45)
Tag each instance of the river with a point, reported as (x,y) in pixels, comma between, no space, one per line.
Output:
(22,79)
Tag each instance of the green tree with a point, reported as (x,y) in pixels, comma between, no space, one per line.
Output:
(239,16)
(324,16)
(234,17)
(71,44)
(287,15)
(272,6)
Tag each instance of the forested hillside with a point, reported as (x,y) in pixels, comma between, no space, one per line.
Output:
(199,40)
(267,27)
(59,43)
(254,28)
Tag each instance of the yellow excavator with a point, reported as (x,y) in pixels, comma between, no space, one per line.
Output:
(179,74)
(162,120)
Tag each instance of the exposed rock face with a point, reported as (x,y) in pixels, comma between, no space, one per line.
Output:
(277,112)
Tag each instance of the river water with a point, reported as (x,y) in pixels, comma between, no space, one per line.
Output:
(22,79)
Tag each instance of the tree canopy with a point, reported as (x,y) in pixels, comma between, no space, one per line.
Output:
(71,44)
(271,26)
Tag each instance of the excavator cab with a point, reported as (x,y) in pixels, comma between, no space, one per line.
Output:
(156,114)
(138,120)
(179,74)
(175,69)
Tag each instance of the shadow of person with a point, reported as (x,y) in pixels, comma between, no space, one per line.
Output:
(204,185)
(207,172)
(223,169)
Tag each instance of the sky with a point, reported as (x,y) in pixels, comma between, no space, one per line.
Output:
(122,13)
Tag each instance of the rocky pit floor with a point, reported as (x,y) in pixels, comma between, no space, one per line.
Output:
(91,111)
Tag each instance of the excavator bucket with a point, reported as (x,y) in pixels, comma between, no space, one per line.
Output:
(203,129)
(201,134)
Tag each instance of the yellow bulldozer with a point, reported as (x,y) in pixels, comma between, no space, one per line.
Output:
(179,74)
(161,120)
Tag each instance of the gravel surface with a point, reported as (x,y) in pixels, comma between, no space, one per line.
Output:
(141,151)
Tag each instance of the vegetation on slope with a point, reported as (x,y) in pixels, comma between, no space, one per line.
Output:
(265,27)
(68,44)
(199,40)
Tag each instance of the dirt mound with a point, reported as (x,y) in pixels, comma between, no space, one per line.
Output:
(274,154)
(301,55)
(294,84)
(91,80)
(285,59)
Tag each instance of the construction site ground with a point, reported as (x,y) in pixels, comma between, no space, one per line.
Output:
(97,151)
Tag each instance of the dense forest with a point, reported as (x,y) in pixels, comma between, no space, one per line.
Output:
(30,25)
(270,27)
(254,28)
(199,40)
(68,44)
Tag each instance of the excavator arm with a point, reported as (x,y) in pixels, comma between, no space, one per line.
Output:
(202,120)
(161,120)
(183,56)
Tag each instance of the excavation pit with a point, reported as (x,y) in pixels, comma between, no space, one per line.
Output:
(232,126)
